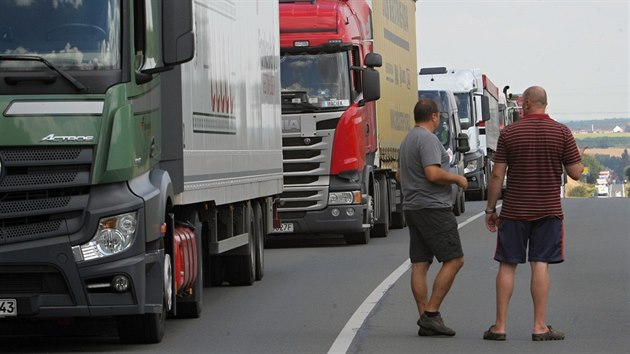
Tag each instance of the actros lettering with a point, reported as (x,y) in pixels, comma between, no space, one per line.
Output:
(69,138)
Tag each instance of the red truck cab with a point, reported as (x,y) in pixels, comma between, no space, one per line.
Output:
(328,117)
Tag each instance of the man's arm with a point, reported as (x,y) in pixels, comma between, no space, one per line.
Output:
(435,174)
(495,184)
(494,190)
(575,170)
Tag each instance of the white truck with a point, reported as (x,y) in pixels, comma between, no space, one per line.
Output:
(603,184)
(478,107)
(454,141)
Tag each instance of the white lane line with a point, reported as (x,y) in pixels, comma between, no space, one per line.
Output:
(345,337)
(350,330)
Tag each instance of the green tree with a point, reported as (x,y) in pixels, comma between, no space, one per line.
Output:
(594,167)
(581,191)
(625,164)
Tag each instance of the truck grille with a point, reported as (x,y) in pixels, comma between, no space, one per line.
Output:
(31,280)
(306,163)
(43,191)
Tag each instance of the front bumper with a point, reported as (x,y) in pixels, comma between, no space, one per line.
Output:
(323,221)
(46,281)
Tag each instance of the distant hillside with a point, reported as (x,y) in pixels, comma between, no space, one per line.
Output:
(598,124)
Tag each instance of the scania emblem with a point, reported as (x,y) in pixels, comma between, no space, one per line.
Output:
(291,125)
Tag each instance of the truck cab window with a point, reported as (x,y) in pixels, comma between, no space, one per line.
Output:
(72,35)
(319,80)
(464,109)
(443,131)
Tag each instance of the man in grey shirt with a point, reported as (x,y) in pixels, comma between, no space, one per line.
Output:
(426,188)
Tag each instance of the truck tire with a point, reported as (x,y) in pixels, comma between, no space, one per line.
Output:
(358,238)
(457,206)
(148,328)
(398,220)
(381,226)
(363,237)
(141,329)
(241,269)
(381,229)
(259,238)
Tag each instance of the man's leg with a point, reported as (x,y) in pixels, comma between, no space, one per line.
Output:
(419,287)
(539,288)
(505,286)
(442,283)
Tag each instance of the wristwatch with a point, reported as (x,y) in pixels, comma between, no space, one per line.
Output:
(491,210)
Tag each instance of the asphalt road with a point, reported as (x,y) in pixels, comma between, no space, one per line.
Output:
(313,288)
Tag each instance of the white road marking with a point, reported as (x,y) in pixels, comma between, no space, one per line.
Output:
(349,331)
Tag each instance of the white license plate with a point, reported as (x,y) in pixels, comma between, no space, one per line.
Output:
(8,307)
(284,228)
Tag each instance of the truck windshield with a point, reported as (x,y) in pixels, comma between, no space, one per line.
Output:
(464,109)
(319,81)
(70,34)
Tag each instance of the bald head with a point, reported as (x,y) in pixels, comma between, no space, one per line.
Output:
(534,100)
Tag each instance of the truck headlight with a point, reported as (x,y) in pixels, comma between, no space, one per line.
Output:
(471,166)
(337,198)
(115,234)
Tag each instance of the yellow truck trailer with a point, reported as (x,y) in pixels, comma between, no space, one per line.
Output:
(394,32)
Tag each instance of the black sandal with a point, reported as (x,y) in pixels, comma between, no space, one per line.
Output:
(489,335)
(552,334)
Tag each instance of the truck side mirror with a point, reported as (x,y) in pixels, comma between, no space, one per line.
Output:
(462,143)
(371,85)
(373,60)
(485,108)
(178,39)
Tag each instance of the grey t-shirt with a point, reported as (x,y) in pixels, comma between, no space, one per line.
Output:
(422,148)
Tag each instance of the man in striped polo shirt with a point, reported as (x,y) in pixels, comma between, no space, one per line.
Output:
(533,151)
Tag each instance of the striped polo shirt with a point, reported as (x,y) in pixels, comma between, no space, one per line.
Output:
(535,149)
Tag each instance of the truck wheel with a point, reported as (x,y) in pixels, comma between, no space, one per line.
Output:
(260,241)
(457,207)
(363,237)
(240,269)
(398,220)
(381,227)
(358,238)
(149,327)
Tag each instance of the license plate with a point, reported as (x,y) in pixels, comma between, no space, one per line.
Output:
(284,228)
(8,307)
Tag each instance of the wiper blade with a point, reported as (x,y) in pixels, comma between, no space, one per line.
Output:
(10,57)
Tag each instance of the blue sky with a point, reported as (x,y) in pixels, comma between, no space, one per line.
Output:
(577,50)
